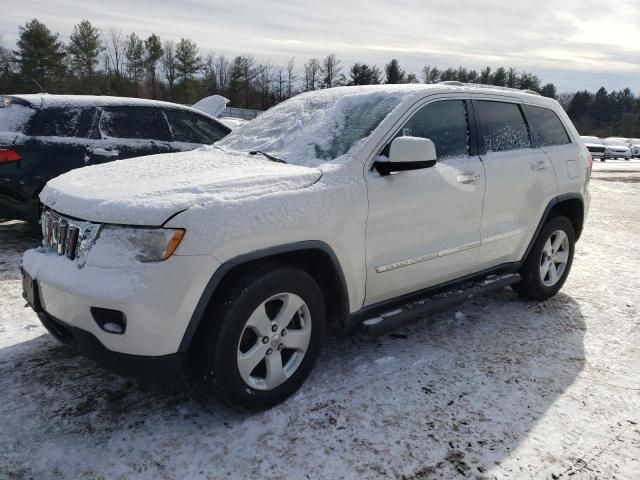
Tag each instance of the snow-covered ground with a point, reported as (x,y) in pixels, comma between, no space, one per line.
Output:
(498,388)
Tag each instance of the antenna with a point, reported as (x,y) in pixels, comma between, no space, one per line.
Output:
(39,86)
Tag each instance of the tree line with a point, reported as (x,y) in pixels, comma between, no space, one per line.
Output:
(111,62)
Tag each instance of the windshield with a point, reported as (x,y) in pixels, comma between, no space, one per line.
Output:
(315,127)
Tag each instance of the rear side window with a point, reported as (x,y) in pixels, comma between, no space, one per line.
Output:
(133,122)
(193,128)
(503,126)
(13,117)
(546,127)
(445,124)
(61,122)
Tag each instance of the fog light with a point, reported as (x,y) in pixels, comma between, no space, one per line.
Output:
(111,321)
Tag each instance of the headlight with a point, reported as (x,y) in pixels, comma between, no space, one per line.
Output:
(154,245)
(117,244)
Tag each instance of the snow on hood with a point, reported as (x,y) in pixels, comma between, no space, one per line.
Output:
(148,190)
(213,105)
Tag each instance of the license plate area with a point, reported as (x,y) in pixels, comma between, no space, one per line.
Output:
(30,292)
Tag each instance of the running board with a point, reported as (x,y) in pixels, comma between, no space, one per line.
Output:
(438,302)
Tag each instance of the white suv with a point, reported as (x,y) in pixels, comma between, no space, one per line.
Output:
(353,206)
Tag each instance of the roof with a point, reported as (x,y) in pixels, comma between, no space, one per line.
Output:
(45,100)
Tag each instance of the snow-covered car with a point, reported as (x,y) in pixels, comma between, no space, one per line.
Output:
(616,147)
(634,145)
(360,207)
(595,147)
(43,136)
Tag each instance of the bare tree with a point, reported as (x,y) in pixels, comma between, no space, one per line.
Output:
(331,69)
(291,76)
(312,71)
(222,69)
(168,61)
(281,79)
(264,82)
(115,48)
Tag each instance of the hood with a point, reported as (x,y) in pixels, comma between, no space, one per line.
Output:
(149,190)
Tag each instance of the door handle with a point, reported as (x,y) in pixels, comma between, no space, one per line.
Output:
(539,165)
(468,178)
(104,152)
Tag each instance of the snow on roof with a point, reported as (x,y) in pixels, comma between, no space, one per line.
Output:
(44,100)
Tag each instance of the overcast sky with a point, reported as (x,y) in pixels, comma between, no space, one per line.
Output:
(576,44)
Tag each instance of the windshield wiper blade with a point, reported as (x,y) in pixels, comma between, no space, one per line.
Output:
(270,157)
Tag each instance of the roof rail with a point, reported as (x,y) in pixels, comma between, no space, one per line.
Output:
(496,87)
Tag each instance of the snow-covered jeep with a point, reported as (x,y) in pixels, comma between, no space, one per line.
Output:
(359,207)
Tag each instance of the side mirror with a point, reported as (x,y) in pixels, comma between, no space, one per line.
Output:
(408,153)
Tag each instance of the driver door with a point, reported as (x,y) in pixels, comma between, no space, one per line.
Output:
(423,227)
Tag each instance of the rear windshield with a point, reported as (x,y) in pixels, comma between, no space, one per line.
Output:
(61,122)
(14,117)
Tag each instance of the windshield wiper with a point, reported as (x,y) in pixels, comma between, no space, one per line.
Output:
(270,157)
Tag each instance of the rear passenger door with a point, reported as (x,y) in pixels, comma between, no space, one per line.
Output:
(126,132)
(550,135)
(190,130)
(520,181)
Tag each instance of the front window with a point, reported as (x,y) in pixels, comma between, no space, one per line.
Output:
(315,127)
(445,123)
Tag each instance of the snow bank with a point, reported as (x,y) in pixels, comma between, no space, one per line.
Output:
(147,190)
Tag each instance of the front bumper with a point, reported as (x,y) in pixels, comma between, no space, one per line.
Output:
(156,299)
(158,369)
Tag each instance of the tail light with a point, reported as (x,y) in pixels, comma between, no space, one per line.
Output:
(589,162)
(7,155)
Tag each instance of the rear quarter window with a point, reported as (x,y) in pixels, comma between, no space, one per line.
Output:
(503,126)
(61,122)
(546,128)
(13,117)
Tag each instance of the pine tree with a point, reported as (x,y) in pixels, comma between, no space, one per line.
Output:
(84,49)
(39,54)
(394,73)
(188,63)
(153,54)
(500,77)
(363,74)
(549,90)
(134,54)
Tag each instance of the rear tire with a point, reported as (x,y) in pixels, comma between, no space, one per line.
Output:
(546,268)
(261,338)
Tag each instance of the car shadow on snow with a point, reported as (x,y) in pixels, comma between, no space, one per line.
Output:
(451,395)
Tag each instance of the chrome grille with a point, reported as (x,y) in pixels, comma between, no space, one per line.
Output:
(66,236)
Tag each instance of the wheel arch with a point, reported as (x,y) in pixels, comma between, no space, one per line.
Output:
(570,205)
(313,256)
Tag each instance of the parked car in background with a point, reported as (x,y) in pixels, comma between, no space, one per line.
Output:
(353,206)
(616,147)
(43,136)
(634,145)
(595,147)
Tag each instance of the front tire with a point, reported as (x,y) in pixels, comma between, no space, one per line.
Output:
(261,338)
(546,268)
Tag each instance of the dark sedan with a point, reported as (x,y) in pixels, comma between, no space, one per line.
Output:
(43,136)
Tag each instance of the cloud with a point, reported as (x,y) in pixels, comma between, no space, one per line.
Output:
(573,43)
